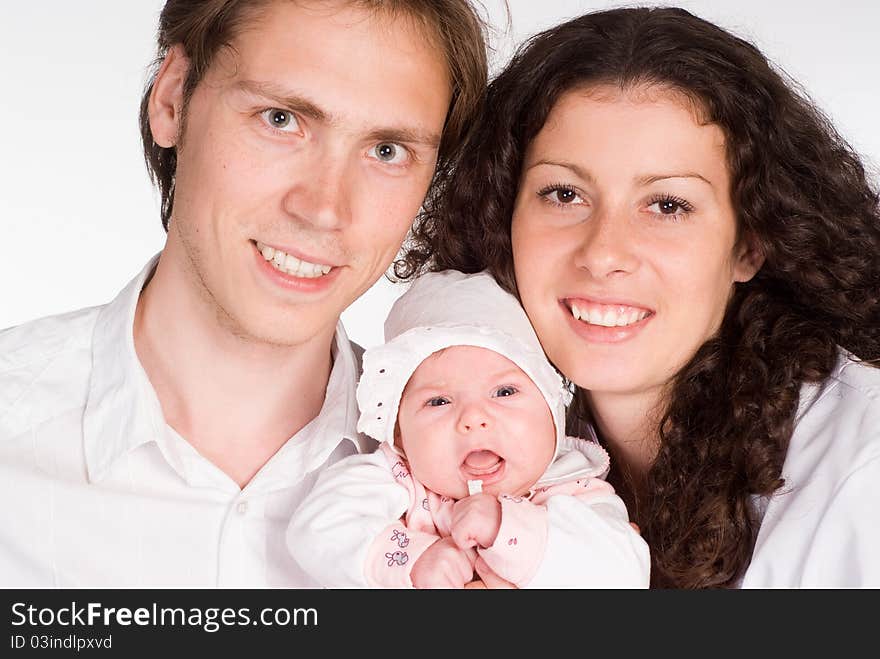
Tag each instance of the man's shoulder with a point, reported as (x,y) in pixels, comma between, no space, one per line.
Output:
(40,359)
(40,340)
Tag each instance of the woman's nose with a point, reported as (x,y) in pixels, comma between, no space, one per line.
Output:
(606,248)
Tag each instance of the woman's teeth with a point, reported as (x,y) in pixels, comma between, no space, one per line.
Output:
(290,264)
(608,315)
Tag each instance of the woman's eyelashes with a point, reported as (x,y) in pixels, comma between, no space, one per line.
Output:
(560,195)
(664,206)
(669,207)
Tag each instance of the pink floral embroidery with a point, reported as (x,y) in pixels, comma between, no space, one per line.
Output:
(397,558)
(400,538)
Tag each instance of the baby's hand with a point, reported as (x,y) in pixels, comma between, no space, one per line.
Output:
(443,565)
(476,520)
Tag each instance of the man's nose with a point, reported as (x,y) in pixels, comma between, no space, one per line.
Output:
(319,193)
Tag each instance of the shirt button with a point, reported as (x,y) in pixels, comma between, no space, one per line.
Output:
(241,508)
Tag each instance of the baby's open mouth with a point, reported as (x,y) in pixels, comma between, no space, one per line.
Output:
(482,463)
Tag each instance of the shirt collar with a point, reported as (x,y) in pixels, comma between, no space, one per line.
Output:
(123,412)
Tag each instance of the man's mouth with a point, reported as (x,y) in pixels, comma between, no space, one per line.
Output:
(291,265)
(607,315)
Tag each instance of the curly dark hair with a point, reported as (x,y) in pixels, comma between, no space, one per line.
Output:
(801,196)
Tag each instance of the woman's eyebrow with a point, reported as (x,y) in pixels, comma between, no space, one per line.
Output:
(646,179)
(577,169)
(653,178)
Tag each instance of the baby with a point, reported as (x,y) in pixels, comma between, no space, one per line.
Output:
(473,461)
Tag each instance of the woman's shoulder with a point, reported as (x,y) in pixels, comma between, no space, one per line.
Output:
(837,428)
(851,393)
(862,378)
(817,529)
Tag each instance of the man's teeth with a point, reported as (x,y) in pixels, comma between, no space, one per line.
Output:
(290,264)
(608,315)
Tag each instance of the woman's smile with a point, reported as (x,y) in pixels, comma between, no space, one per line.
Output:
(642,258)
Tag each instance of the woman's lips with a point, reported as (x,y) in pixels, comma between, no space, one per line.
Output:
(633,320)
(606,314)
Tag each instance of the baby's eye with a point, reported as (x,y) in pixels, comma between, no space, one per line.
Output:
(503,392)
(437,401)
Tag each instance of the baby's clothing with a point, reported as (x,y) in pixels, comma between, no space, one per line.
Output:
(373,521)
(367,522)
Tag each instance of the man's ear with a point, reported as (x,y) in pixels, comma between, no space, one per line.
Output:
(165,107)
(748,259)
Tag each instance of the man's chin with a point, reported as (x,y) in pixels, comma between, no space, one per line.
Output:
(271,335)
(279,330)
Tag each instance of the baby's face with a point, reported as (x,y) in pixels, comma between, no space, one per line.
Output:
(468,413)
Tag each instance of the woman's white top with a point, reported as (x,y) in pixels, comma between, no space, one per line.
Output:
(822,528)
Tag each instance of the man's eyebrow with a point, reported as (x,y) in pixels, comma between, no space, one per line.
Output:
(405,136)
(285,99)
(577,169)
(295,102)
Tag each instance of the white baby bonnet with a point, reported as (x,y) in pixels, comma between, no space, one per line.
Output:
(440,310)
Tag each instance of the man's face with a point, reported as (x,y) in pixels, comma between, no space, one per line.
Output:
(305,155)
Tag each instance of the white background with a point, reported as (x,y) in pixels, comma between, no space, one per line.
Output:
(79,217)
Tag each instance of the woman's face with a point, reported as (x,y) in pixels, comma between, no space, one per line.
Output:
(624,237)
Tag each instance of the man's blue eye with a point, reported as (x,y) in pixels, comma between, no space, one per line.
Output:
(389,153)
(280,119)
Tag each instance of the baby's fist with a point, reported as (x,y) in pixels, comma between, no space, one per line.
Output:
(476,520)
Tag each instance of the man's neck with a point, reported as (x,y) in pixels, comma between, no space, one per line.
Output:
(236,400)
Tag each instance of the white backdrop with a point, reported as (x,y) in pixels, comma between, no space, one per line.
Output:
(80,218)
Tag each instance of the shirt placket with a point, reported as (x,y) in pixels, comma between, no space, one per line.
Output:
(241,560)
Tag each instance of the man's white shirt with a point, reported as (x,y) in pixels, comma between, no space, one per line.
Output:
(98,490)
